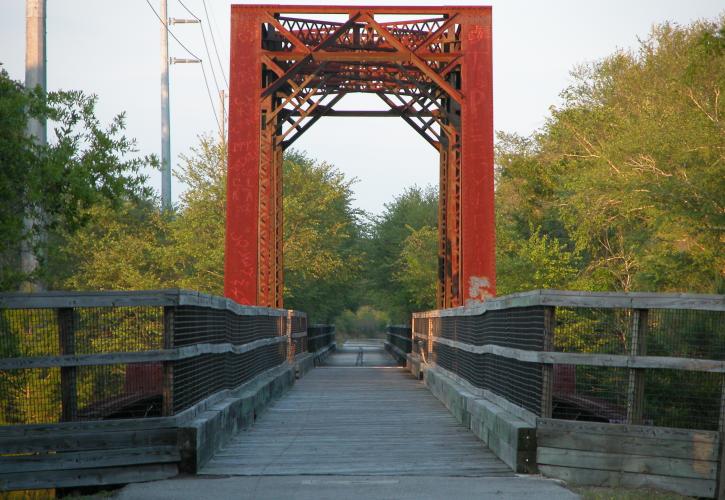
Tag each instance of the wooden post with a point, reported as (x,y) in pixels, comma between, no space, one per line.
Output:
(638,347)
(547,370)
(290,341)
(68,395)
(167,390)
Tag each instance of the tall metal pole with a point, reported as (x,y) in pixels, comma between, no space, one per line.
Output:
(165,118)
(35,75)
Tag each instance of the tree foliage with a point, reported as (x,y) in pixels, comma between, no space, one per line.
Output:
(627,176)
(389,250)
(84,164)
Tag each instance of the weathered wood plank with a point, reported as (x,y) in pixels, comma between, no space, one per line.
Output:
(547,371)
(113,358)
(356,420)
(588,477)
(88,459)
(588,359)
(67,323)
(640,464)
(721,427)
(627,444)
(638,347)
(142,298)
(615,430)
(86,477)
(566,298)
(73,441)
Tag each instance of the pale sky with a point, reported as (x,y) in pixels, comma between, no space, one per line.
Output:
(111,48)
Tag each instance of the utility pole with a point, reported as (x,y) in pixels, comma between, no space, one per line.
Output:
(35,75)
(165,115)
(222,118)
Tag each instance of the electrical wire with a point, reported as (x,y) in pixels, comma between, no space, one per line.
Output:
(203,72)
(170,32)
(206,47)
(213,41)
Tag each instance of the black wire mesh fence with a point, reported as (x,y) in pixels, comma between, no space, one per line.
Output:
(319,337)
(401,336)
(672,398)
(67,357)
(611,331)
(519,328)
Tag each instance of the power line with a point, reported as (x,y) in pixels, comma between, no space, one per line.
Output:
(170,32)
(213,41)
(187,10)
(203,72)
(206,47)
(208,55)
(208,92)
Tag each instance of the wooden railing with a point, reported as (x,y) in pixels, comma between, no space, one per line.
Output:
(399,341)
(630,361)
(106,380)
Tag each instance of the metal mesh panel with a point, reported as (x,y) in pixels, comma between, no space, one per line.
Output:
(30,396)
(118,329)
(686,333)
(676,398)
(28,332)
(517,381)
(591,393)
(521,328)
(119,391)
(319,336)
(604,331)
(201,325)
(129,390)
(197,378)
(200,377)
(299,346)
(395,334)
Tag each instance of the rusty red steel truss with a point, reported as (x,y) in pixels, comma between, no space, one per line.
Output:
(290,66)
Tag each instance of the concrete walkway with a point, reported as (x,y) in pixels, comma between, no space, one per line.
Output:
(354,432)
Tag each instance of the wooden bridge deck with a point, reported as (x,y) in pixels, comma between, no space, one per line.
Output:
(347,420)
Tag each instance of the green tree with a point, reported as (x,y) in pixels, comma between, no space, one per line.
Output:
(413,210)
(627,175)
(365,322)
(322,233)
(135,246)
(84,164)
(417,272)
(197,232)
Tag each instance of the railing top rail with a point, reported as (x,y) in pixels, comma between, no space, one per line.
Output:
(149,298)
(567,298)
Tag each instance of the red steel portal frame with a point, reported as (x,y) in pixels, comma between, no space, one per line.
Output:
(290,65)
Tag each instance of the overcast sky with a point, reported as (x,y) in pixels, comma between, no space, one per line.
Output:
(111,48)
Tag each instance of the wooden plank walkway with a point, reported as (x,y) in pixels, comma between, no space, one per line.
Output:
(357,421)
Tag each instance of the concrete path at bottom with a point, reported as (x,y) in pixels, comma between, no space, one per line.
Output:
(358,433)
(348,487)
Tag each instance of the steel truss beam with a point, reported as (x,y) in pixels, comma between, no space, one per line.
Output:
(431,67)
